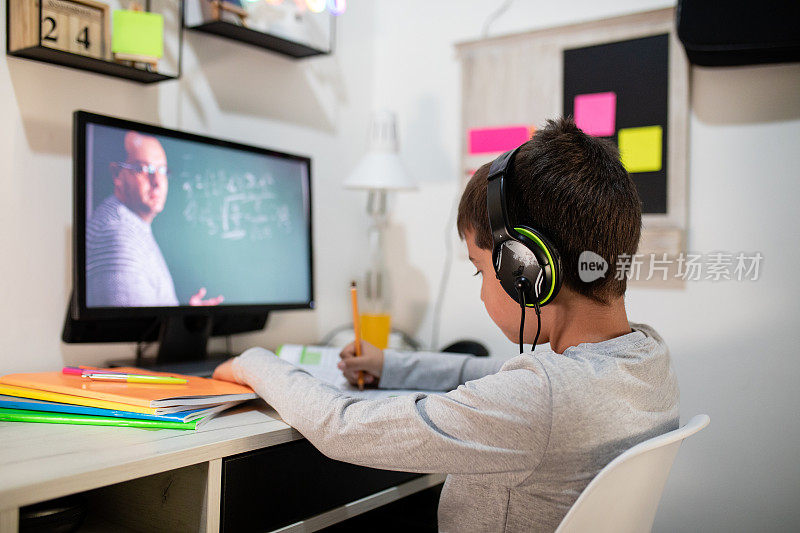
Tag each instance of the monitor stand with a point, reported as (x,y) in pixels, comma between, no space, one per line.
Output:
(184,339)
(203,368)
(183,342)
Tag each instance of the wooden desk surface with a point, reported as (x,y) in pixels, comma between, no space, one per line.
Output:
(43,461)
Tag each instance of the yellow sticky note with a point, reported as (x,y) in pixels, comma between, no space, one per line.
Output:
(138,33)
(640,148)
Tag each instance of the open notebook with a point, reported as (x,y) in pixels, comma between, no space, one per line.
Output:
(197,392)
(320,362)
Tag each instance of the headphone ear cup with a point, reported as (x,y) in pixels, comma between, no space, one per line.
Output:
(515,261)
(547,256)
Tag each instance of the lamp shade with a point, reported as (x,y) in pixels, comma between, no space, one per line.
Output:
(381,168)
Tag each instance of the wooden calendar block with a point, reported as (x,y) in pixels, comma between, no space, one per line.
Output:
(86,37)
(55,28)
(76,26)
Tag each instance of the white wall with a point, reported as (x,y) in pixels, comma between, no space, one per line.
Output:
(734,344)
(731,343)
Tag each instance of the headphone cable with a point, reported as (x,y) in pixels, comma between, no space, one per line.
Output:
(522,319)
(538,324)
(522,306)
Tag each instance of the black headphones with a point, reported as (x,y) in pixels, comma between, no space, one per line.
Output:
(525,262)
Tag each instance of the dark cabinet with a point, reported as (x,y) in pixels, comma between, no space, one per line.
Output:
(273,487)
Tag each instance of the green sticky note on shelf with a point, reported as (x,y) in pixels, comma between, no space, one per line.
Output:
(137,33)
(640,148)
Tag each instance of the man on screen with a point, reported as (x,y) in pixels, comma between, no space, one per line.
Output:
(124,265)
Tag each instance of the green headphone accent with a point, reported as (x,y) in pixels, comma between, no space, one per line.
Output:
(537,240)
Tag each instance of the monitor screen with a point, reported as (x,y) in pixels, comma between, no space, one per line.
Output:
(171,220)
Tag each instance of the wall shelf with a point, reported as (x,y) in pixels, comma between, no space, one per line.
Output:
(257,38)
(77,34)
(100,66)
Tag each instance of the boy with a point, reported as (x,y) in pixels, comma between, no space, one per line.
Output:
(520,440)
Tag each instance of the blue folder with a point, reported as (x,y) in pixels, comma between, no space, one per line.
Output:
(13,402)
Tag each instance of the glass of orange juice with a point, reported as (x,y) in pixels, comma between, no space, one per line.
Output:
(375,329)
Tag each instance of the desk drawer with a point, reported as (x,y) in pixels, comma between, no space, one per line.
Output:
(277,486)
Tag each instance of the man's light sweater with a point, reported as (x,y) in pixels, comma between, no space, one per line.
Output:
(124,265)
(519,439)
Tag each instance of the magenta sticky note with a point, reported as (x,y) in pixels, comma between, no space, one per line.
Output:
(596,113)
(486,140)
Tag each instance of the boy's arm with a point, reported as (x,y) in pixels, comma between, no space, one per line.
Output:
(433,371)
(497,425)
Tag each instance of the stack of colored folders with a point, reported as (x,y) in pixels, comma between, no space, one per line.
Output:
(59,398)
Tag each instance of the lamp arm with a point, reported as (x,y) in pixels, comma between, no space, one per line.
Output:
(376,278)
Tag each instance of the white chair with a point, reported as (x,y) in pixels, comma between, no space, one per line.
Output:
(624,496)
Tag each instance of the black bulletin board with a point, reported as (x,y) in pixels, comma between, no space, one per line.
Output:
(637,70)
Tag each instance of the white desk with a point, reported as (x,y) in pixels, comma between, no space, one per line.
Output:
(154,479)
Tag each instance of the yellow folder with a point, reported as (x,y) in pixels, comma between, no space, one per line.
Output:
(196,392)
(34,394)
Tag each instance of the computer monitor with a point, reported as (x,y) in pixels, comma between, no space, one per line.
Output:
(180,236)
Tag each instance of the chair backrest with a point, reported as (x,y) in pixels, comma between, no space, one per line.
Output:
(624,496)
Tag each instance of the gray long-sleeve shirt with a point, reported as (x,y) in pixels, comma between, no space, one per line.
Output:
(519,439)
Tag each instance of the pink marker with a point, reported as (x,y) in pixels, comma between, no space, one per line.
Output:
(78,371)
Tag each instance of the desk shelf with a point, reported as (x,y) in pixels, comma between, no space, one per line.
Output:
(298,477)
(175,480)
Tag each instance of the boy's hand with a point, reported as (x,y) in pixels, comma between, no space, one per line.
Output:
(370,362)
(225,371)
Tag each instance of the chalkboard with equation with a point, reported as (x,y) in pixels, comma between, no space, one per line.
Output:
(234,222)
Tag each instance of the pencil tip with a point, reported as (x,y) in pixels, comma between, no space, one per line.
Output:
(352,283)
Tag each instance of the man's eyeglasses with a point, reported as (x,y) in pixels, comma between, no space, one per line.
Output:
(150,170)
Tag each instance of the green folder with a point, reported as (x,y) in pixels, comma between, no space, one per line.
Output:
(21,415)
(137,33)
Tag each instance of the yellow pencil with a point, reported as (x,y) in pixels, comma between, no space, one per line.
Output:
(357,329)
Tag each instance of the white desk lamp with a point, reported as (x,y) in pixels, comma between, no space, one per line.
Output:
(379,171)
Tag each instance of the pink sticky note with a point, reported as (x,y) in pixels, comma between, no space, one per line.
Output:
(487,140)
(596,113)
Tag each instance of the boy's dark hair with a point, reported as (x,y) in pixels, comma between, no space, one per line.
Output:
(573,188)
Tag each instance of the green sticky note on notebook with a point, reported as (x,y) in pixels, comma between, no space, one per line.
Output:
(640,148)
(308,357)
(138,33)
